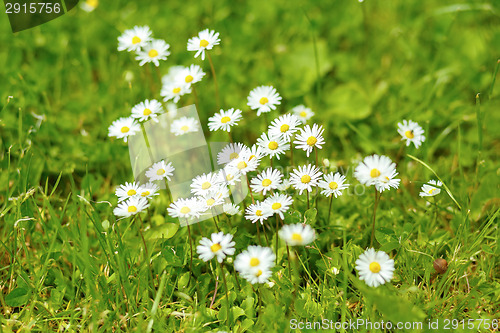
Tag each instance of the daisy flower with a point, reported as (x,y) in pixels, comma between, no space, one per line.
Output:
(89,5)
(230,152)
(303,113)
(190,75)
(224,120)
(411,131)
(375,268)
(160,170)
(284,126)
(204,183)
(174,90)
(149,109)
(387,182)
(229,175)
(205,40)
(131,206)
(134,39)
(254,263)
(310,138)
(231,209)
(184,125)
(148,190)
(123,128)
(272,145)
(297,234)
(219,244)
(277,204)
(185,208)
(263,99)
(285,185)
(333,184)
(305,177)
(267,181)
(255,212)
(377,170)
(246,162)
(153,51)
(430,190)
(127,190)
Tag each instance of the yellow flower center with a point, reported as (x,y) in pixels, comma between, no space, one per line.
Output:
(206,185)
(189,78)
(203,43)
(266,182)
(241,165)
(216,247)
(136,40)
(258,212)
(131,192)
(374,173)
(263,100)
(305,179)
(409,134)
(184,128)
(160,172)
(176,90)
(259,273)
(297,237)
(94,4)
(125,129)
(146,112)
(303,114)
(333,185)
(431,190)
(375,267)
(185,210)
(229,177)
(254,262)
(273,145)
(284,128)
(276,205)
(145,193)
(210,202)
(311,141)
(152,53)
(132,209)
(232,156)
(225,120)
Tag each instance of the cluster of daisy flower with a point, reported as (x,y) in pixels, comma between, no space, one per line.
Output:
(147,49)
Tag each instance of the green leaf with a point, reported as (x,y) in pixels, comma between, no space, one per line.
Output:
(310,216)
(165,231)
(293,217)
(17,297)
(387,247)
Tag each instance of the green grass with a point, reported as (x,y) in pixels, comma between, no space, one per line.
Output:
(67,263)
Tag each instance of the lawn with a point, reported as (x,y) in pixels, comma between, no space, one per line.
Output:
(69,262)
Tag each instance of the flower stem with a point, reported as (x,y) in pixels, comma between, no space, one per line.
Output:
(377,199)
(330,209)
(227,298)
(217,98)
(307,193)
(190,246)
(277,238)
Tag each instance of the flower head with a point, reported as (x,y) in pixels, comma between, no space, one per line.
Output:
(268,180)
(297,234)
(190,75)
(204,183)
(277,204)
(127,190)
(224,120)
(230,152)
(303,113)
(131,206)
(305,178)
(431,188)
(148,190)
(375,268)
(160,170)
(377,170)
(263,99)
(231,209)
(245,162)
(284,126)
(174,90)
(310,138)
(255,263)
(153,51)
(184,125)
(185,208)
(123,128)
(411,131)
(149,109)
(272,145)
(219,245)
(255,212)
(205,40)
(135,38)
(333,184)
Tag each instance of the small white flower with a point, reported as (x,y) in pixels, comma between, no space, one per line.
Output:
(190,75)
(246,162)
(230,152)
(305,178)
(184,125)
(375,268)
(255,212)
(131,206)
(297,234)
(411,131)
(224,120)
(127,190)
(160,170)
(229,175)
(303,113)
(272,145)
(89,5)
(149,190)
(430,190)
(310,138)
(267,181)
(149,109)
(204,183)
(387,182)
(263,99)
(185,208)
(174,90)
(231,209)
(205,40)
(377,170)
(285,185)
(277,204)
(123,128)
(219,244)
(255,263)
(134,39)
(333,184)
(284,126)
(153,51)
